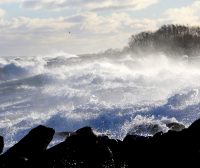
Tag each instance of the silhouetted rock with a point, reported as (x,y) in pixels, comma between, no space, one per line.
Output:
(13,162)
(195,126)
(135,150)
(82,149)
(1,144)
(32,144)
(29,148)
(116,146)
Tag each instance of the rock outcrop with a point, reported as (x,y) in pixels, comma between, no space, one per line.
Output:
(1,144)
(84,149)
(30,149)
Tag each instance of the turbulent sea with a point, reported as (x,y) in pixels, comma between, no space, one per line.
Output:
(115,95)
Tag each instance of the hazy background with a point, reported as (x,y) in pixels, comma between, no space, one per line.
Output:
(32,27)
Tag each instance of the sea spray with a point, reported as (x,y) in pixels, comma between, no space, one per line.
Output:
(115,95)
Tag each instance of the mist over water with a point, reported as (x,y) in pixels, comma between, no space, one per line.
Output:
(115,95)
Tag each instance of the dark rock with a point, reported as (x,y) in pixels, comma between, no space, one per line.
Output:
(30,148)
(82,149)
(195,126)
(193,140)
(32,144)
(135,150)
(158,135)
(116,146)
(1,144)
(21,162)
(181,146)
(175,126)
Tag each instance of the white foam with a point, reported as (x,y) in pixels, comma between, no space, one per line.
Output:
(114,95)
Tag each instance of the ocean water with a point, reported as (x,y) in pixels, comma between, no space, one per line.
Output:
(115,95)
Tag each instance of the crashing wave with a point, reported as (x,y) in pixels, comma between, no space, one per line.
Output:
(114,95)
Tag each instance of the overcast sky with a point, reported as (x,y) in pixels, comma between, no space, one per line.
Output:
(33,27)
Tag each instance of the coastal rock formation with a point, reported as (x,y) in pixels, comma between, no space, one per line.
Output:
(1,144)
(84,149)
(175,126)
(29,149)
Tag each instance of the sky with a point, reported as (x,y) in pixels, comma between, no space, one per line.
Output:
(38,27)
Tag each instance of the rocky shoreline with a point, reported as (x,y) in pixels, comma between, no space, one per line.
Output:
(84,149)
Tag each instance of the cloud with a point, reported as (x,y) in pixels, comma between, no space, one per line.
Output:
(184,15)
(2,13)
(21,25)
(90,31)
(89,22)
(115,23)
(89,5)
(10,1)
